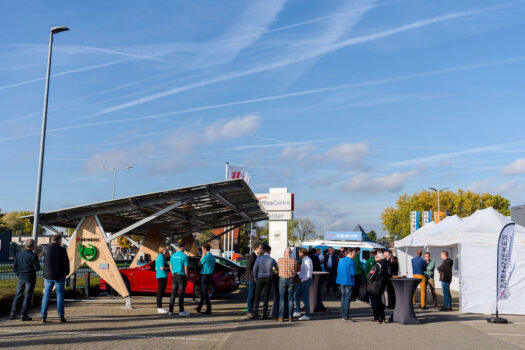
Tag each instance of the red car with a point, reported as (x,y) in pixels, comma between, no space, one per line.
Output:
(142,279)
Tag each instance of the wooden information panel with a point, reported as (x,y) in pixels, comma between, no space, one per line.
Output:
(89,246)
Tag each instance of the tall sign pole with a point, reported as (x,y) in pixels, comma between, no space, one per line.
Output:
(279,204)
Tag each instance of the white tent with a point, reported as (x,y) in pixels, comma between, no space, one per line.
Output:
(476,239)
(407,247)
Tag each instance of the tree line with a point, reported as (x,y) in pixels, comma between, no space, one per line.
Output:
(396,219)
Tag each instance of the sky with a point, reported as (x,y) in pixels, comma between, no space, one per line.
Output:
(348,104)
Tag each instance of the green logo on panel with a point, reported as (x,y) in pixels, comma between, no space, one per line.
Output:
(87,253)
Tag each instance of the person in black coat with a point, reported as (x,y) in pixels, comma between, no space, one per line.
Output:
(377,281)
(251,280)
(56,268)
(330,262)
(25,266)
(312,254)
(445,276)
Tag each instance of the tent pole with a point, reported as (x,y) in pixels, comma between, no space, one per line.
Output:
(406,260)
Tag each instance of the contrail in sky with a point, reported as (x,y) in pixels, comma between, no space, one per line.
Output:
(95,66)
(285,62)
(282,96)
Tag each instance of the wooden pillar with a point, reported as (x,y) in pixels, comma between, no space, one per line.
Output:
(89,246)
(151,244)
(191,247)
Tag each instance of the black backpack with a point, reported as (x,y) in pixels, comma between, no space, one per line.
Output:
(379,272)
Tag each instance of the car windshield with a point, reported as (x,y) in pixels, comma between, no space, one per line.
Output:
(224,262)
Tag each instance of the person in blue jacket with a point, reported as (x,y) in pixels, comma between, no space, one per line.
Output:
(345,278)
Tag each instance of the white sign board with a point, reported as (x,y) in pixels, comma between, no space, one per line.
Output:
(276,201)
(280,215)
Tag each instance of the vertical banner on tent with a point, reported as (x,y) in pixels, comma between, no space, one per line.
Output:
(505,260)
(414,221)
(237,172)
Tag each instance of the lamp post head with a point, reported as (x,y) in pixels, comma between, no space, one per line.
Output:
(56,30)
(433,189)
(129,167)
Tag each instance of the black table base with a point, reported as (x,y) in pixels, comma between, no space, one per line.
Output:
(404,289)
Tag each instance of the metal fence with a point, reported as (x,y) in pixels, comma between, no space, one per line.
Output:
(6,270)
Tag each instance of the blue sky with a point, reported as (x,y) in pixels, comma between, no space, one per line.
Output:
(347,103)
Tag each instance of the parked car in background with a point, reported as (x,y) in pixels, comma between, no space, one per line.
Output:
(241,270)
(142,279)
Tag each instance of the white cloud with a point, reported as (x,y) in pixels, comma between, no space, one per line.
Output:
(508,188)
(388,183)
(345,154)
(173,151)
(479,186)
(518,167)
(234,128)
(117,158)
(348,154)
(301,154)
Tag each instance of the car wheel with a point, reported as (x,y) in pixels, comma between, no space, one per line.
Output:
(243,280)
(197,290)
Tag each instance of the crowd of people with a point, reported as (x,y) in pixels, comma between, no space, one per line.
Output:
(344,275)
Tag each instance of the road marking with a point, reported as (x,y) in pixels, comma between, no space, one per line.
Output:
(109,335)
(180,319)
(507,334)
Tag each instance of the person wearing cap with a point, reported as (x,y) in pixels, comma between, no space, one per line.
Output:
(56,268)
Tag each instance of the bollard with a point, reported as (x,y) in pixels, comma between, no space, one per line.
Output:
(87,280)
(73,284)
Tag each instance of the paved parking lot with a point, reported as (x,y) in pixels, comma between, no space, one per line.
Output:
(104,324)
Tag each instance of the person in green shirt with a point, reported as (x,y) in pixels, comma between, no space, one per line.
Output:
(429,275)
(370,262)
(179,270)
(161,272)
(358,274)
(207,263)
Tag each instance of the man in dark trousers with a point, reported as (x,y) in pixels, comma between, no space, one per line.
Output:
(207,264)
(330,265)
(251,280)
(263,272)
(25,266)
(56,268)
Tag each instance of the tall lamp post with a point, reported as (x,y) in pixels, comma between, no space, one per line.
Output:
(438,191)
(52,32)
(115,171)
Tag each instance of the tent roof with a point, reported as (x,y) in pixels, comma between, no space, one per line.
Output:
(423,236)
(483,226)
(407,241)
(203,207)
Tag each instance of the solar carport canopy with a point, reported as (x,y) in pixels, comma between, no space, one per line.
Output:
(184,210)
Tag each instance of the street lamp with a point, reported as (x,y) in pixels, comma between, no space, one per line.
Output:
(115,171)
(53,31)
(438,191)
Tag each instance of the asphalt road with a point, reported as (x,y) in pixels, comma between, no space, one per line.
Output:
(104,324)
